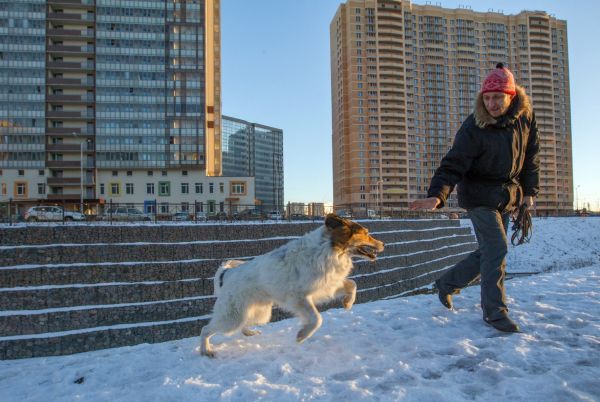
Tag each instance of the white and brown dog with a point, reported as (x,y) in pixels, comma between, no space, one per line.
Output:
(296,276)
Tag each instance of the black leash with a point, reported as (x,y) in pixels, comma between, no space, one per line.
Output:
(522,226)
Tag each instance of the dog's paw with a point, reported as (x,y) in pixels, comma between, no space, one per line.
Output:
(303,335)
(208,353)
(348,302)
(250,332)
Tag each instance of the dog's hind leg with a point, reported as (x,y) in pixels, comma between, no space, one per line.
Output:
(310,316)
(348,290)
(205,334)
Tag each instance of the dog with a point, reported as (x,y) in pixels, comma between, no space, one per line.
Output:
(296,276)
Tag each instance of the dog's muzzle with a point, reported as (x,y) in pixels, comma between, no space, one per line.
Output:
(369,252)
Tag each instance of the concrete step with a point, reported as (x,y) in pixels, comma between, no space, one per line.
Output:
(213,250)
(35,298)
(29,322)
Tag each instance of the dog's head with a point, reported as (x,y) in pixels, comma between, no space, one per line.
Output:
(352,238)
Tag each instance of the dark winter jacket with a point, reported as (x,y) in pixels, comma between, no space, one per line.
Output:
(491,158)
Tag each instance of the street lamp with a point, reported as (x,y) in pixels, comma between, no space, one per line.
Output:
(577,197)
(81,176)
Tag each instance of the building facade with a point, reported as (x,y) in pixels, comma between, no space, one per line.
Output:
(405,76)
(93,87)
(255,150)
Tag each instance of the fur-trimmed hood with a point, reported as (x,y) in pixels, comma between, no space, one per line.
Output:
(521,105)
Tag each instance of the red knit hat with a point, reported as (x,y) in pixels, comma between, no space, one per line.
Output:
(499,80)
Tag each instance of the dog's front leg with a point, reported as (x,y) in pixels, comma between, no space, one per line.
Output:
(205,334)
(311,318)
(348,289)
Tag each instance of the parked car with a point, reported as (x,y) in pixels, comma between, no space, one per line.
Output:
(126,214)
(201,216)
(249,214)
(342,213)
(275,215)
(51,213)
(181,216)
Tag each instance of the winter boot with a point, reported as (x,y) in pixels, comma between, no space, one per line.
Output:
(504,324)
(445,298)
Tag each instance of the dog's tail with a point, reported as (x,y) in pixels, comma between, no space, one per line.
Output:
(219,278)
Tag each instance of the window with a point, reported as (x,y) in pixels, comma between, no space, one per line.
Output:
(41,188)
(238,188)
(184,172)
(150,173)
(115,189)
(128,188)
(199,188)
(185,188)
(20,189)
(21,172)
(41,172)
(185,207)
(164,172)
(102,188)
(149,188)
(221,188)
(211,188)
(164,188)
(129,173)
(115,172)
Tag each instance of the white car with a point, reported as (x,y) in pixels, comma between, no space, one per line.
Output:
(51,213)
(126,214)
(275,215)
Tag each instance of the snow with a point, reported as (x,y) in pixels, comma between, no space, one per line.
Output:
(407,349)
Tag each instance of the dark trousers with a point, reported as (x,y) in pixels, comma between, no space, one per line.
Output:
(487,262)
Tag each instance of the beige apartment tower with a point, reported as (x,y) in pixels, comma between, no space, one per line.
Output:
(404,77)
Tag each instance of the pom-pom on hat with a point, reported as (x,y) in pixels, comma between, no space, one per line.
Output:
(499,80)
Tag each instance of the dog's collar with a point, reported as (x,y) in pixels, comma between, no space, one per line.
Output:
(221,278)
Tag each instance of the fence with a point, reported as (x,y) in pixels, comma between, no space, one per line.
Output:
(202,211)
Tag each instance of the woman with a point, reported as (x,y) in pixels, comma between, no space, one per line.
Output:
(494,161)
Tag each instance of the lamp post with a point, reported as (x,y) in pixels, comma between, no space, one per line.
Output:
(577,197)
(81,176)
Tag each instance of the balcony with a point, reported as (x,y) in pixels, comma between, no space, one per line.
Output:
(84,18)
(86,3)
(69,131)
(62,65)
(79,82)
(54,114)
(71,33)
(86,98)
(63,196)
(63,181)
(63,164)
(63,148)
(70,50)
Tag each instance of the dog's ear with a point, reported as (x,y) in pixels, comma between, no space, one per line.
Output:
(333,221)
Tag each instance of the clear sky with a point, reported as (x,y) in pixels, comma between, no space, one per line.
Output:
(276,71)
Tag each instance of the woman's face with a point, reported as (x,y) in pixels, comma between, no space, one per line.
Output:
(496,103)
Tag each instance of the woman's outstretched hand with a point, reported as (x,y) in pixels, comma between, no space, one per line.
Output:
(430,204)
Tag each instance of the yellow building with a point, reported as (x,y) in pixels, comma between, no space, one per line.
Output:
(404,77)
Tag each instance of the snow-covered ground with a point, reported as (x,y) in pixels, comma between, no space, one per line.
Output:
(408,349)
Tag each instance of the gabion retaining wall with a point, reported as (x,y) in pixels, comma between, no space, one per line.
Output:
(70,289)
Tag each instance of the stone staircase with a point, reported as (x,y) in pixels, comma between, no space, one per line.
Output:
(75,288)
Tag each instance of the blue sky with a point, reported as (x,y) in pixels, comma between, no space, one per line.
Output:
(276,71)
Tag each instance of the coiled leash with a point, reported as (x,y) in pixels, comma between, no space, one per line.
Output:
(522,226)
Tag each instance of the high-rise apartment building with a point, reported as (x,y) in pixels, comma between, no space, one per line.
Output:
(255,150)
(91,90)
(405,76)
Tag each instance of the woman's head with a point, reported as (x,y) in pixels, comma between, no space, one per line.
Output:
(498,90)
